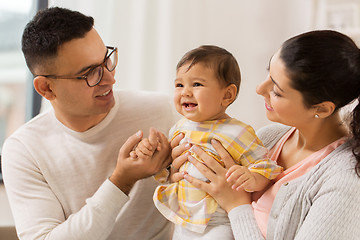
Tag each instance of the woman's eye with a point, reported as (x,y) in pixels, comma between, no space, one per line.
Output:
(275,93)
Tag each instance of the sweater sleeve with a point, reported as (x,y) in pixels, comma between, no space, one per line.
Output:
(37,211)
(243,223)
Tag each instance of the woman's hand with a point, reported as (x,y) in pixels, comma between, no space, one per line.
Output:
(178,156)
(218,187)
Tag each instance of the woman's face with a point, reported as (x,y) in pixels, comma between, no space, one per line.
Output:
(283,103)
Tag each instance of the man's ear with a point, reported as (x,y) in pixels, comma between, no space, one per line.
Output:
(229,95)
(324,109)
(43,86)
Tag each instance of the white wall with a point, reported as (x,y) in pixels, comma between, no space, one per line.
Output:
(152,35)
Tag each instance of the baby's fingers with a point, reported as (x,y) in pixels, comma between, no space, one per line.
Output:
(241,182)
(234,173)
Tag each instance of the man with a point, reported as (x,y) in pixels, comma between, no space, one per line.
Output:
(64,174)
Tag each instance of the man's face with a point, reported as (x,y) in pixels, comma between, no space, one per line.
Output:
(74,99)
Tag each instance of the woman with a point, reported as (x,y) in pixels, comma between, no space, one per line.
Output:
(311,78)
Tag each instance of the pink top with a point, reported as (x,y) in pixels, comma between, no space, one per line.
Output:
(262,206)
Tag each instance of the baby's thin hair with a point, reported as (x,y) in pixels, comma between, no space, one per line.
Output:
(223,62)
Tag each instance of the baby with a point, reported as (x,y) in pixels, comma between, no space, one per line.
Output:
(207,82)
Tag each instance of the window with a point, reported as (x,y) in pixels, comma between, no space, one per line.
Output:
(16,90)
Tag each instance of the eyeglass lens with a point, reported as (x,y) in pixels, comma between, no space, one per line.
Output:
(96,74)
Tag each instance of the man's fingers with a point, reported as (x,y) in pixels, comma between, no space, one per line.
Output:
(130,143)
(153,137)
(162,139)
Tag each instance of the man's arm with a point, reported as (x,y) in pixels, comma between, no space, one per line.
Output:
(38,211)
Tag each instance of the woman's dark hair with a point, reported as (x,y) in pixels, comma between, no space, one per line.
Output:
(223,62)
(325,66)
(49,29)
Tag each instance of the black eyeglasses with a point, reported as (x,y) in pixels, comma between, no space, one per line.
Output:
(94,75)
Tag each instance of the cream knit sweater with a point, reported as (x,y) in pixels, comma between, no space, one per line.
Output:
(56,178)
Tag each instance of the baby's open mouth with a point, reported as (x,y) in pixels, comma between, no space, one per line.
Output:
(189,105)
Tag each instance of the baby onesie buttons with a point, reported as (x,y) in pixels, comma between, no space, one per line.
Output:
(285,184)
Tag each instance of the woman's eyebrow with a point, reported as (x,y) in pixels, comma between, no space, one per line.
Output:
(271,76)
(275,83)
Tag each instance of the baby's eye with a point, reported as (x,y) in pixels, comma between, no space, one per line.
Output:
(197,84)
(179,85)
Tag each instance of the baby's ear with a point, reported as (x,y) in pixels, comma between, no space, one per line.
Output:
(43,86)
(230,93)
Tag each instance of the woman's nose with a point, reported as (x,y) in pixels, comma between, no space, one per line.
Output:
(263,88)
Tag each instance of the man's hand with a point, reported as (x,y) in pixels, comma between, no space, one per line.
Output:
(147,147)
(129,169)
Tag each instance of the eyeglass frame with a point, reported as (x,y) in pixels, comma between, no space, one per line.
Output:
(84,76)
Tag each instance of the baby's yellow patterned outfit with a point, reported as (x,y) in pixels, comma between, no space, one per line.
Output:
(184,204)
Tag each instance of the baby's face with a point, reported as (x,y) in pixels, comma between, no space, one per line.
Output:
(199,96)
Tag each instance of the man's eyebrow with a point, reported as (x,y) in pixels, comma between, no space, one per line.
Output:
(91,66)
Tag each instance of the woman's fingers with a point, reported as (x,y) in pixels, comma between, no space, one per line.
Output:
(177,176)
(205,170)
(197,183)
(209,161)
(223,153)
(176,140)
(180,149)
(178,162)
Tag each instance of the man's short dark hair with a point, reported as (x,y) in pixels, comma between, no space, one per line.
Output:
(49,29)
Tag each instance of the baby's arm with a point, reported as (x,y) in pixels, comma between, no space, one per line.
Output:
(242,177)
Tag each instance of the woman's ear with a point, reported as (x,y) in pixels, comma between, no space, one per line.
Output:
(229,95)
(43,86)
(324,109)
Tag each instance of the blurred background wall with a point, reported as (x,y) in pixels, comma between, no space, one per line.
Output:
(152,36)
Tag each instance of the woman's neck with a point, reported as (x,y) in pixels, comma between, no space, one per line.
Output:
(309,139)
(314,137)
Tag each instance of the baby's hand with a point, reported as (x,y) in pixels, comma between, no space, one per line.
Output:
(147,146)
(241,178)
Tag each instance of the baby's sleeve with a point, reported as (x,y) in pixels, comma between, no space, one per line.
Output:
(256,159)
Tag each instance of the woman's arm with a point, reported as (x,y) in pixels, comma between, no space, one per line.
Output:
(334,209)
